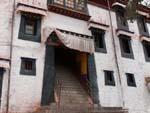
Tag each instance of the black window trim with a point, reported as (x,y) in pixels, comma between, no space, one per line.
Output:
(123,53)
(103,33)
(2,70)
(119,25)
(147,59)
(131,84)
(109,83)
(28,37)
(141,31)
(29,73)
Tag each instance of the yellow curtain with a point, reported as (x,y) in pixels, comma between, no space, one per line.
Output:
(83,57)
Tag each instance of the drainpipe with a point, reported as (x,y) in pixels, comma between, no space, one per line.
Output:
(115,52)
(11,49)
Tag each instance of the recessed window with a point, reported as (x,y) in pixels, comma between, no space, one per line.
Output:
(146,47)
(99,39)
(126,48)
(121,18)
(30,27)
(142,26)
(73,4)
(109,78)
(28,66)
(131,80)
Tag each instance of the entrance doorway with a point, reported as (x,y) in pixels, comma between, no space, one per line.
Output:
(73,69)
(69,69)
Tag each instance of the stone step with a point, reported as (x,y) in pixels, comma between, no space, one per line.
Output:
(66,77)
(69,83)
(64,100)
(80,108)
(73,92)
(72,88)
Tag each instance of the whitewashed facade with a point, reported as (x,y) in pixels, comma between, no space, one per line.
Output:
(25,91)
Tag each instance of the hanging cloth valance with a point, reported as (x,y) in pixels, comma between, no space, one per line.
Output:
(71,41)
(4,64)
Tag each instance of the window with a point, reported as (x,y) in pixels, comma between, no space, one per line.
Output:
(146,47)
(125,44)
(130,80)
(142,26)
(121,18)
(28,66)
(73,4)
(80,4)
(99,38)
(70,3)
(30,27)
(109,78)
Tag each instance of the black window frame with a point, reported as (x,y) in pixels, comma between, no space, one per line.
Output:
(122,39)
(2,70)
(23,71)
(121,13)
(97,34)
(146,54)
(131,81)
(36,37)
(110,74)
(142,22)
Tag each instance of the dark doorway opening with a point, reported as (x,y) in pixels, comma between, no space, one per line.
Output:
(75,70)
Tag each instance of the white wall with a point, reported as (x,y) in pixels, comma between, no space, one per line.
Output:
(5,28)
(136,98)
(110,96)
(25,91)
(5,38)
(66,23)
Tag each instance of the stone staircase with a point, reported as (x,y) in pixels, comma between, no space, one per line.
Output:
(73,98)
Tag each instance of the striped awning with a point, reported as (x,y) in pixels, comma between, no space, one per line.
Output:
(4,64)
(144,38)
(118,4)
(143,14)
(31,9)
(98,23)
(76,42)
(124,32)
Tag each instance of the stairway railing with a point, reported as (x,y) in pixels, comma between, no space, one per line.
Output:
(88,90)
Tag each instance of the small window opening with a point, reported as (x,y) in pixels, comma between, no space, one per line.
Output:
(109,78)
(28,66)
